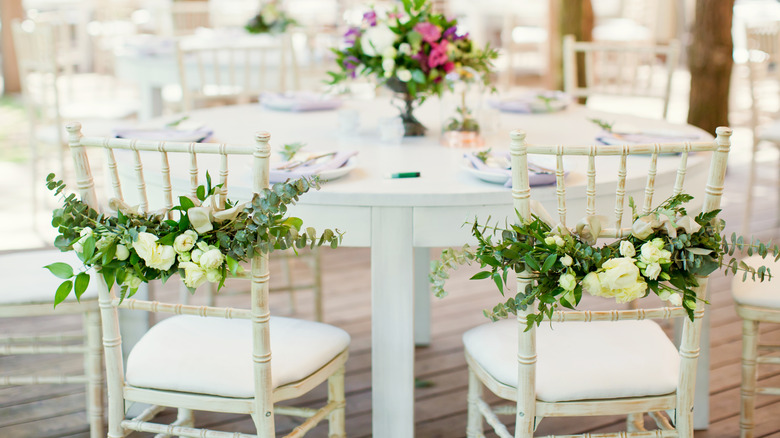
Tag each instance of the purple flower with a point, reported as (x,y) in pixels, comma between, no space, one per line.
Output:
(370,18)
(351,35)
(450,33)
(438,55)
(351,63)
(430,32)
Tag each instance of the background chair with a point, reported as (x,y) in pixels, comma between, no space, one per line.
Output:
(588,363)
(619,69)
(28,291)
(756,303)
(222,362)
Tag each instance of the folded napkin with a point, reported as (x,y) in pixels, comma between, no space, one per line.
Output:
(530,102)
(299,101)
(149,45)
(167,134)
(338,160)
(646,137)
(534,179)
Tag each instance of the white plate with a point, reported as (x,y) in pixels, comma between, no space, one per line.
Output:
(484,175)
(331,174)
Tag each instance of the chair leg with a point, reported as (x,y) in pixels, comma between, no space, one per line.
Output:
(93,370)
(185,418)
(336,420)
(749,377)
(635,422)
(474,424)
(316,271)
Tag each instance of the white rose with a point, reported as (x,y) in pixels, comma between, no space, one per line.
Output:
(122,253)
(627,249)
(650,253)
(664,294)
(104,242)
(200,219)
(403,75)
(567,281)
(162,258)
(184,257)
(195,255)
(567,260)
(643,227)
(389,52)
(376,39)
(194,276)
(559,240)
(78,246)
(388,64)
(185,241)
(211,259)
(132,281)
(213,275)
(652,270)
(549,240)
(631,293)
(619,273)
(675,300)
(405,49)
(592,284)
(145,245)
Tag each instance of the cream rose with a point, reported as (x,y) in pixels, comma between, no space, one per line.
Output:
(156,256)
(559,240)
(631,293)
(403,75)
(619,273)
(213,275)
(643,227)
(195,255)
(650,253)
(211,259)
(131,281)
(194,276)
(652,270)
(549,240)
(567,281)
(592,284)
(122,253)
(388,65)
(185,241)
(377,39)
(675,300)
(145,244)
(405,49)
(627,249)
(567,260)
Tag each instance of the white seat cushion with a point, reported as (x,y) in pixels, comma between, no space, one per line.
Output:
(582,360)
(26,281)
(214,356)
(757,293)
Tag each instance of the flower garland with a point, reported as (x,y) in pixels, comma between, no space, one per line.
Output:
(665,253)
(203,245)
(411,50)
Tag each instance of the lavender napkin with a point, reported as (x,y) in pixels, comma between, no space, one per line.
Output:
(338,160)
(534,179)
(167,134)
(532,102)
(646,137)
(299,101)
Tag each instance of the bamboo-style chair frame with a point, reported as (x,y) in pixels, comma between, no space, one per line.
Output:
(232,71)
(619,69)
(262,407)
(86,344)
(529,411)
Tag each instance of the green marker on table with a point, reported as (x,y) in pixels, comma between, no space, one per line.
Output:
(403,175)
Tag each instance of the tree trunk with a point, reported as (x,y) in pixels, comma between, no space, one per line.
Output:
(575,17)
(9,11)
(710,62)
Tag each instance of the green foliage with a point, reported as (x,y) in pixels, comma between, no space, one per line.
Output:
(270,19)
(106,243)
(541,256)
(289,150)
(603,124)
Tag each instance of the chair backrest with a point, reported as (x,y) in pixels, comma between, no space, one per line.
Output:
(618,69)
(138,149)
(235,70)
(187,16)
(521,194)
(763,43)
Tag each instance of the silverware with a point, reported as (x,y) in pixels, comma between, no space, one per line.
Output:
(297,163)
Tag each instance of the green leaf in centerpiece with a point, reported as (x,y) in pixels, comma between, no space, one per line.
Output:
(232,264)
(201,193)
(481,275)
(549,262)
(61,270)
(62,292)
(89,247)
(186,203)
(82,281)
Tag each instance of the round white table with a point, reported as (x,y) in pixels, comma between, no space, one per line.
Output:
(400,219)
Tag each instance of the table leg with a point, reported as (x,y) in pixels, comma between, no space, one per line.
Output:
(701,401)
(422,297)
(151,102)
(392,322)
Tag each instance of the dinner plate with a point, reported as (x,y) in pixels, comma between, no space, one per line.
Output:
(535,179)
(331,174)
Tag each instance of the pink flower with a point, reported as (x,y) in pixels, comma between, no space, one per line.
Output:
(438,55)
(421,58)
(430,32)
(449,66)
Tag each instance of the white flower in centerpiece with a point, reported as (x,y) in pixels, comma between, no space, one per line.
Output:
(621,280)
(651,253)
(567,281)
(211,259)
(405,49)
(388,65)
(194,275)
(145,245)
(549,240)
(643,227)
(559,240)
(376,39)
(195,255)
(403,75)
(567,260)
(156,256)
(122,253)
(78,246)
(592,284)
(389,52)
(131,281)
(675,299)
(200,219)
(627,249)
(652,270)
(688,224)
(185,241)
(213,275)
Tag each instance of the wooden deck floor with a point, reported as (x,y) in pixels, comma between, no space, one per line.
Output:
(440,408)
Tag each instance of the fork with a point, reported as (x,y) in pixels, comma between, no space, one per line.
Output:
(297,163)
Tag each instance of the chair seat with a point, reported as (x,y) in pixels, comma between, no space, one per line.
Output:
(26,281)
(755,293)
(582,360)
(214,356)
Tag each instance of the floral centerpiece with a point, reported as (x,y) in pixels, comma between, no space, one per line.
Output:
(270,19)
(203,244)
(665,253)
(411,51)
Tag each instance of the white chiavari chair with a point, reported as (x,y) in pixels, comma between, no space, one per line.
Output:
(235,71)
(756,303)
(28,292)
(585,363)
(222,358)
(187,16)
(617,69)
